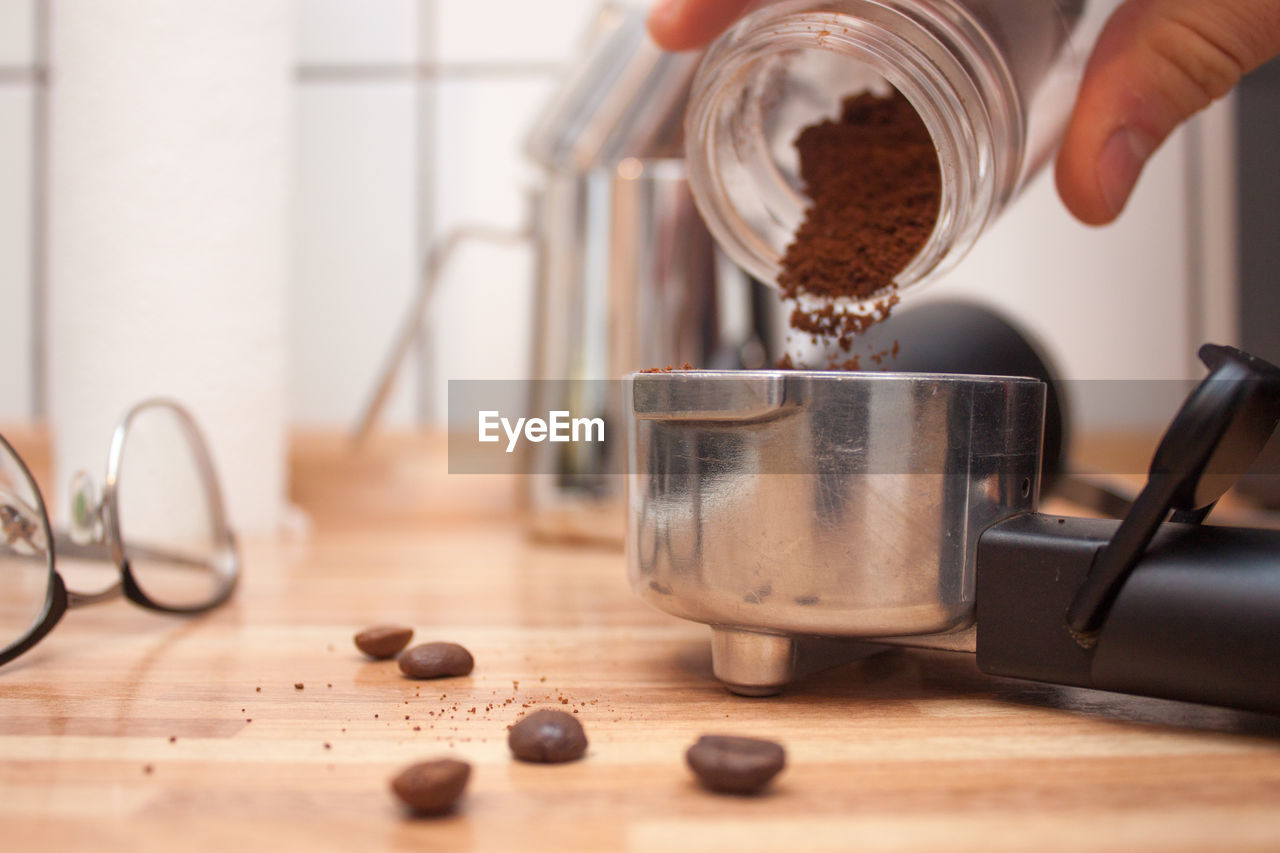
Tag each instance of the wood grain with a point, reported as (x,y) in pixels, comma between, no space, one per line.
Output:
(902,751)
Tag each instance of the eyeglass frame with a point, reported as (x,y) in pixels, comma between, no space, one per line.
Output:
(59,599)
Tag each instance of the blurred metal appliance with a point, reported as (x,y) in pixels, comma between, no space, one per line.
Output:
(627,275)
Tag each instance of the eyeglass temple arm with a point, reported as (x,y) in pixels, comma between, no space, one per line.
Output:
(68,547)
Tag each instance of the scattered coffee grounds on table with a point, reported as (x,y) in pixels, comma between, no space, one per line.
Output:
(383,641)
(874,187)
(735,765)
(436,660)
(668,368)
(432,787)
(548,737)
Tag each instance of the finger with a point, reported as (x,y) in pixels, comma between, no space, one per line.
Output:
(1156,63)
(687,24)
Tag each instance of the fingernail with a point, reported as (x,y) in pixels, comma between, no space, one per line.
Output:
(1121,160)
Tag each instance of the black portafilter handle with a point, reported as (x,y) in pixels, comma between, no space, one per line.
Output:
(1150,606)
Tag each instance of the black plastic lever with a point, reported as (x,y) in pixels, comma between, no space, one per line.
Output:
(1169,609)
(1216,434)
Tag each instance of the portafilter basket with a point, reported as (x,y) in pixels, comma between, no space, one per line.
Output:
(784,506)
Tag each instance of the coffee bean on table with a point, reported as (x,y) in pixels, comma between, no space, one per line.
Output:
(432,787)
(735,765)
(549,737)
(383,641)
(436,660)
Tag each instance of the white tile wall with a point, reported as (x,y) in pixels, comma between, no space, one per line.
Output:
(481,174)
(16,338)
(483,313)
(356,254)
(17,32)
(358,32)
(357,248)
(510,30)
(17,43)
(1084,289)
(481,320)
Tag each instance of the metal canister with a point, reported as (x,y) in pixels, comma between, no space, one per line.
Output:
(628,277)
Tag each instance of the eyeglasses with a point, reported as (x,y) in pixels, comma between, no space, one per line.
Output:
(160,520)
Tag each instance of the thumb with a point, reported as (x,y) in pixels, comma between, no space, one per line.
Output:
(1156,63)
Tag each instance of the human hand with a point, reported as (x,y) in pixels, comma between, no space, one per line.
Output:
(1156,63)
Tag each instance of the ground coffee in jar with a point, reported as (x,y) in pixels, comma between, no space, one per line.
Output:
(874,186)
(873,181)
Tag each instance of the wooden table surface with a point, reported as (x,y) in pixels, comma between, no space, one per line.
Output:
(128,730)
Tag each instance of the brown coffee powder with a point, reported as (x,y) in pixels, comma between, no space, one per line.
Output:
(874,186)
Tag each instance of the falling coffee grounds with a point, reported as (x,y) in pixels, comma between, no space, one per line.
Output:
(668,369)
(874,186)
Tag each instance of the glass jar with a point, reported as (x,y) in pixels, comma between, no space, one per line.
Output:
(992,80)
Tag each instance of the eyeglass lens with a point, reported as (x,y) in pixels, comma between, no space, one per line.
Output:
(169,527)
(25,571)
